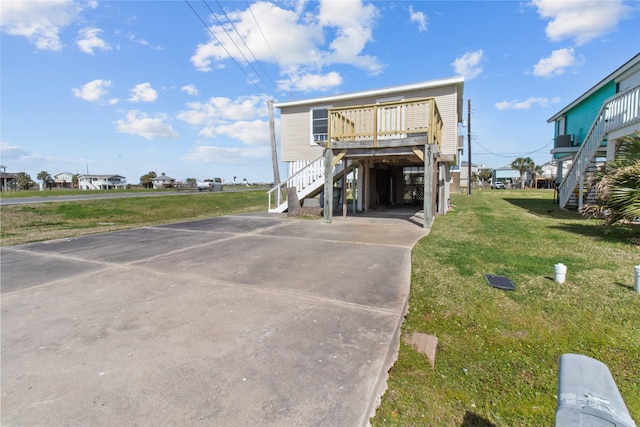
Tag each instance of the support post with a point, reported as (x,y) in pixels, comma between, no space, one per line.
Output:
(274,152)
(428,186)
(469,147)
(344,188)
(365,187)
(328,185)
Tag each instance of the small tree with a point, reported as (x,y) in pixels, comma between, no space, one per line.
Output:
(535,171)
(485,175)
(618,185)
(522,165)
(23,180)
(46,179)
(146,180)
(192,182)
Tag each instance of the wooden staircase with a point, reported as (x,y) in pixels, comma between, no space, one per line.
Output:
(308,181)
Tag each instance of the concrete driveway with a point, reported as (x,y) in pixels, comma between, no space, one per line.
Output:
(231,321)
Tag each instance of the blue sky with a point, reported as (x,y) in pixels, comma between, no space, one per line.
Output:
(125,88)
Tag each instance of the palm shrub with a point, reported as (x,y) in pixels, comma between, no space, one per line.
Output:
(618,185)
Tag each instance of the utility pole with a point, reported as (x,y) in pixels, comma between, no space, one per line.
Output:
(274,152)
(469,147)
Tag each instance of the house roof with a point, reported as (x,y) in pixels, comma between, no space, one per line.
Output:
(458,81)
(633,62)
(99,176)
(163,177)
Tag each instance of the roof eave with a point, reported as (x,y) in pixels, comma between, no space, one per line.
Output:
(617,73)
(458,81)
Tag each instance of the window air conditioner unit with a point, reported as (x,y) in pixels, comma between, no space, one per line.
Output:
(565,140)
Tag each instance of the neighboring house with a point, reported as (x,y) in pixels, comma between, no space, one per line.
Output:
(507,175)
(101,182)
(586,131)
(63,180)
(397,145)
(547,178)
(7,179)
(163,181)
(464,171)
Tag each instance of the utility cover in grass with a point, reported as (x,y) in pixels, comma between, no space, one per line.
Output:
(500,282)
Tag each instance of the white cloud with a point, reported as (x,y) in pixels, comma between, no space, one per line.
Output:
(220,110)
(299,42)
(468,64)
(227,155)
(39,21)
(141,124)
(527,104)
(580,20)
(353,24)
(143,92)
(555,64)
(88,40)
(311,82)
(419,18)
(190,89)
(93,91)
(253,133)
(12,152)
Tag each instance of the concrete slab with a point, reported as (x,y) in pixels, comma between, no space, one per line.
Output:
(237,323)
(21,269)
(229,224)
(126,245)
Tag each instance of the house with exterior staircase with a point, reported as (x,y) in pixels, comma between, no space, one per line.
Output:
(393,146)
(587,131)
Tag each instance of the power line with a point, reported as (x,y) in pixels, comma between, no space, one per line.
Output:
(260,29)
(245,43)
(510,155)
(234,42)
(225,49)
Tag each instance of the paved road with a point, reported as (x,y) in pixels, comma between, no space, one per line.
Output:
(231,321)
(4,201)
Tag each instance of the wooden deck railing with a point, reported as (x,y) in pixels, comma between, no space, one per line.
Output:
(388,120)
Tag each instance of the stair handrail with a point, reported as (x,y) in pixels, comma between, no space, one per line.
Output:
(277,193)
(616,112)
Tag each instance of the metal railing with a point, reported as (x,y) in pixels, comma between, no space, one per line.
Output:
(617,112)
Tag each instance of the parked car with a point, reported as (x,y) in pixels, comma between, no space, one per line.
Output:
(210,184)
(498,186)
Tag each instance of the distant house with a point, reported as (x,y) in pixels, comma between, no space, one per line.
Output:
(63,180)
(464,171)
(163,181)
(588,129)
(548,177)
(506,175)
(7,179)
(101,182)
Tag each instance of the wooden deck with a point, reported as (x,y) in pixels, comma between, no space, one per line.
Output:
(405,123)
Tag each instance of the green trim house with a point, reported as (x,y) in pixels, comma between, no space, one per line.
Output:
(586,131)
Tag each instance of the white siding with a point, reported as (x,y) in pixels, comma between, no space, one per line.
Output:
(295,121)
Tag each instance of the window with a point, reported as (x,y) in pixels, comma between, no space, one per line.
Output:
(319,125)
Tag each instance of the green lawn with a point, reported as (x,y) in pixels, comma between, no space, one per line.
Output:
(55,220)
(498,351)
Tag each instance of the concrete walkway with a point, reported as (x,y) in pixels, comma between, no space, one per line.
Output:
(232,321)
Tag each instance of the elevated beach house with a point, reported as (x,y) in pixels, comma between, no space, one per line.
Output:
(388,147)
(588,129)
(101,182)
